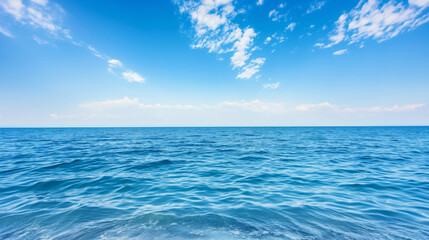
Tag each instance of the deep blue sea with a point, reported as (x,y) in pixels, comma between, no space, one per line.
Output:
(215,183)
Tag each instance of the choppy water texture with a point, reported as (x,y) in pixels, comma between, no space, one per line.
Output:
(215,183)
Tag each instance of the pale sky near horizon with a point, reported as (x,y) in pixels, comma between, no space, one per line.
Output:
(214,63)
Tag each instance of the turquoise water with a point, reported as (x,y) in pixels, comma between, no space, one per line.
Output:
(215,183)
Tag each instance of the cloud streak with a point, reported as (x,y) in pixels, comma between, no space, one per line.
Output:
(372,19)
(340,52)
(271,85)
(5,32)
(316,6)
(277,15)
(252,105)
(131,76)
(375,109)
(41,14)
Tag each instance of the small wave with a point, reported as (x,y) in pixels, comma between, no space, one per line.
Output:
(214,183)
(152,164)
(252,158)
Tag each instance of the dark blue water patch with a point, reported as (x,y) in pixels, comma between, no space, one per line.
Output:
(252,158)
(140,151)
(215,183)
(153,164)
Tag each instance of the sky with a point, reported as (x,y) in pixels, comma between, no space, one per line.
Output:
(106,63)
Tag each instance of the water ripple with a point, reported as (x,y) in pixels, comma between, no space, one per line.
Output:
(215,183)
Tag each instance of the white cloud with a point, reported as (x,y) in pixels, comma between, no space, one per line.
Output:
(56,116)
(291,26)
(420,3)
(316,6)
(96,53)
(259,2)
(207,19)
(212,21)
(340,52)
(39,40)
(241,46)
(40,2)
(126,101)
(42,18)
(267,40)
(14,7)
(278,14)
(375,109)
(53,115)
(372,19)
(131,76)
(273,14)
(132,112)
(394,108)
(275,39)
(252,105)
(271,85)
(341,30)
(35,13)
(5,32)
(251,69)
(45,15)
(135,102)
(306,107)
(113,64)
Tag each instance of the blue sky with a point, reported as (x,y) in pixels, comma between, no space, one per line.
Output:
(214,63)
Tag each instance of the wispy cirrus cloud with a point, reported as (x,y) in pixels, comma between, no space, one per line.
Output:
(275,39)
(374,109)
(212,21)
(135,112)
(340,52)
(36,13)
(315,6)
(5,32)
(291,26)
(131,76)
(46,15)
(306,107)
(268,40)
(40,40)
(251,69)
(271,85)
(252,105)
(394,108)
(278,13)
(373,19)
(135,102)
(115,66)
(126,101)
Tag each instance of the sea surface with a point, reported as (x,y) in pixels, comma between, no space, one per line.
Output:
(215,183)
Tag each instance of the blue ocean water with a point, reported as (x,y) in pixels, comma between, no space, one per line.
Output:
(215,183)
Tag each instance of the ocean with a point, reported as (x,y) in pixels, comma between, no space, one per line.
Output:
(215,183)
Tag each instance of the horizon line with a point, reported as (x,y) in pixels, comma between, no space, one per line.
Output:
(240,126)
